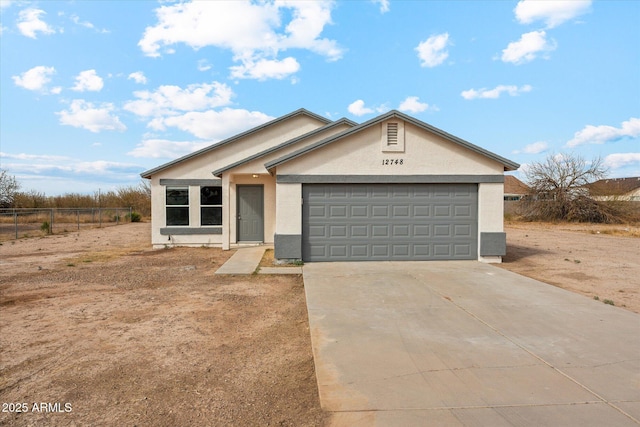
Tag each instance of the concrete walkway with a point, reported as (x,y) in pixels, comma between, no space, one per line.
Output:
(246,261)
(467,344)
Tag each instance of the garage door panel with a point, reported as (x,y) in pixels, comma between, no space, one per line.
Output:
(380,250)
(462,211)
(380,231)
(462,230)
(421,231)
(389,222)
(358,231)
(359,211)
(338,211)
(378,211)
(401,230)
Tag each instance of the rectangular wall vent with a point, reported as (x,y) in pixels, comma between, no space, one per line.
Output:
(392,133)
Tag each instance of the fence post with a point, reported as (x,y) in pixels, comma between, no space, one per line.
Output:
(15,222)
(78,217)
(117,216)
(130,214)
(100,216)
(51,223)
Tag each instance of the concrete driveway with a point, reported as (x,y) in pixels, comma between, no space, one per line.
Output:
(460,343)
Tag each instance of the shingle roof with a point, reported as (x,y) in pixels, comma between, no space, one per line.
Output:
(148,173)
(513,185)
(614,186)
(508,164)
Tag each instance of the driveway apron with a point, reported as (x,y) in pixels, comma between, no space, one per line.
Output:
(461,343)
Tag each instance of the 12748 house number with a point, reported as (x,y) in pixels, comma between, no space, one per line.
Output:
(391,162)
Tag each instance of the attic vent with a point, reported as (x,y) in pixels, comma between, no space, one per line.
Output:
(392,133)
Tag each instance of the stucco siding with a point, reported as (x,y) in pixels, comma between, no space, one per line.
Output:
(361,154)
(289,209)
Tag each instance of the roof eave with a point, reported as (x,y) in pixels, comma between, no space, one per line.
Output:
(507,164)
(147,174)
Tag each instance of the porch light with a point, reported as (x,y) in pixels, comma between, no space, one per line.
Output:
(255,175)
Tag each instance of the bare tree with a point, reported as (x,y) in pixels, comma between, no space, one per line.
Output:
(559,190)
(8,189)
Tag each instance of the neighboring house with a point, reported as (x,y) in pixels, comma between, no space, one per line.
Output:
(624,189)
(514,189)
(392,188)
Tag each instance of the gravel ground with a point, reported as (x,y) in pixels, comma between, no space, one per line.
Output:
(105,331)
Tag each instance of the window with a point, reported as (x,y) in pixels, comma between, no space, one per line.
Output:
(177,205)
(210,205)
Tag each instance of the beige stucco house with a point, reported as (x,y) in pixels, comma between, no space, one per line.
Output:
(391,188)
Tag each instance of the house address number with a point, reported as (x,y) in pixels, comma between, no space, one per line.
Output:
(391,162)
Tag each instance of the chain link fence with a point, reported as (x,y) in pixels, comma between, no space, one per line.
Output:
(17,223)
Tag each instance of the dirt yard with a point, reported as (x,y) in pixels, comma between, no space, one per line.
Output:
(599,261)
(105,331)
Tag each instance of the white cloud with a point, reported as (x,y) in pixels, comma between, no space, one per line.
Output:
(40,157)
(29,23)
(88,80)
(601,134)
(212,125)
(5,3)
(618,160)
(35,79)
(171,100)
(76,20)
(252,31)
(138,77)
(528,48)
(494,93)
(203,65)
(534,148)
(384,5)
(412,104)
(357,108)
(83,114)
(553,13)
(264,69)
(163,148)
(432,52)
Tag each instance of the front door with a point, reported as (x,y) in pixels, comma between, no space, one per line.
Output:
(250,213)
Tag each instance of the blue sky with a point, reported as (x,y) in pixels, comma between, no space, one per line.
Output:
(94,92)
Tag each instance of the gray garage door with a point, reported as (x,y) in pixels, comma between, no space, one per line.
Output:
(363,222)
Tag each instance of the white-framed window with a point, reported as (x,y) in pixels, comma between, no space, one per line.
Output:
(210,205)
(177,205)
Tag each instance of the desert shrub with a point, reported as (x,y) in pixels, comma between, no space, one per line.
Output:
(135,217)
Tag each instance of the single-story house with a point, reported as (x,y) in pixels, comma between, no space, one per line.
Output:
(514,189)
(391,188)
(621,189)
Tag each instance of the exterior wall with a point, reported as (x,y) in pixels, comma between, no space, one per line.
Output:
(491,222)
(360,154)
(425,154)
(288,238)
(269,187)
(201,166)
(192,235)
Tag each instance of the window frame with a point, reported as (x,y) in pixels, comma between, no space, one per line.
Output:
(210,206)
(176,206)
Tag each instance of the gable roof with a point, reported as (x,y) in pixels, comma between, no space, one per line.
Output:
(301,111)
(342,121)
(614,186)
(508,164)
(513,185)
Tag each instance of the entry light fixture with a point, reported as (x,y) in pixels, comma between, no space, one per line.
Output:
(255,175)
